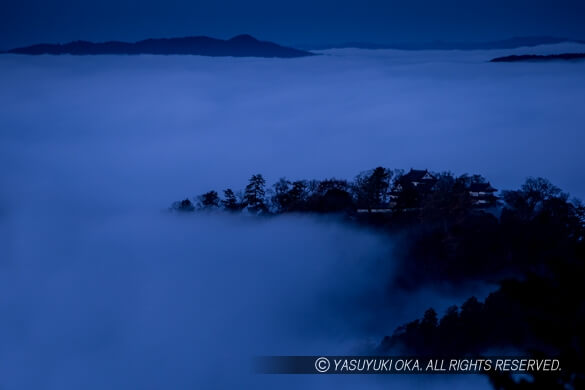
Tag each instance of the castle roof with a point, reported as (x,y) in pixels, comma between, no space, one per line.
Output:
(481,187)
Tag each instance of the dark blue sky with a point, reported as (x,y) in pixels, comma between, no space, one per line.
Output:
(291,22)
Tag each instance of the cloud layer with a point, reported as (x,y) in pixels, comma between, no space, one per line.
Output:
(100,287)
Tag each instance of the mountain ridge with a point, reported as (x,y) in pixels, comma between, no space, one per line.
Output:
(540,58)
(242,45)
(509,43)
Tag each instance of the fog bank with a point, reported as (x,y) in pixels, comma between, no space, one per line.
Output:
(101,287)
(156,300)
(149,129)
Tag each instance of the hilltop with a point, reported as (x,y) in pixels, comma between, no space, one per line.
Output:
(238,46)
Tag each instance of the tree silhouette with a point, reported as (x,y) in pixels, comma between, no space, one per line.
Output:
(371,188)
(209,200)
(230,202)
(183,205)
(255,193)
(281,199)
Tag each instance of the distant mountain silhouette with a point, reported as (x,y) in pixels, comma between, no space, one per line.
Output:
(238,46)
(535,57)
(511,43)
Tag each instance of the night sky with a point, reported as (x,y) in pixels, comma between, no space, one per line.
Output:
(290,22)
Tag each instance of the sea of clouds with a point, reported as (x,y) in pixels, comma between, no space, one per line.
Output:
(101,287)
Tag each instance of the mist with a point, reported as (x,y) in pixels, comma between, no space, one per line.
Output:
(100,286)
(156,300)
